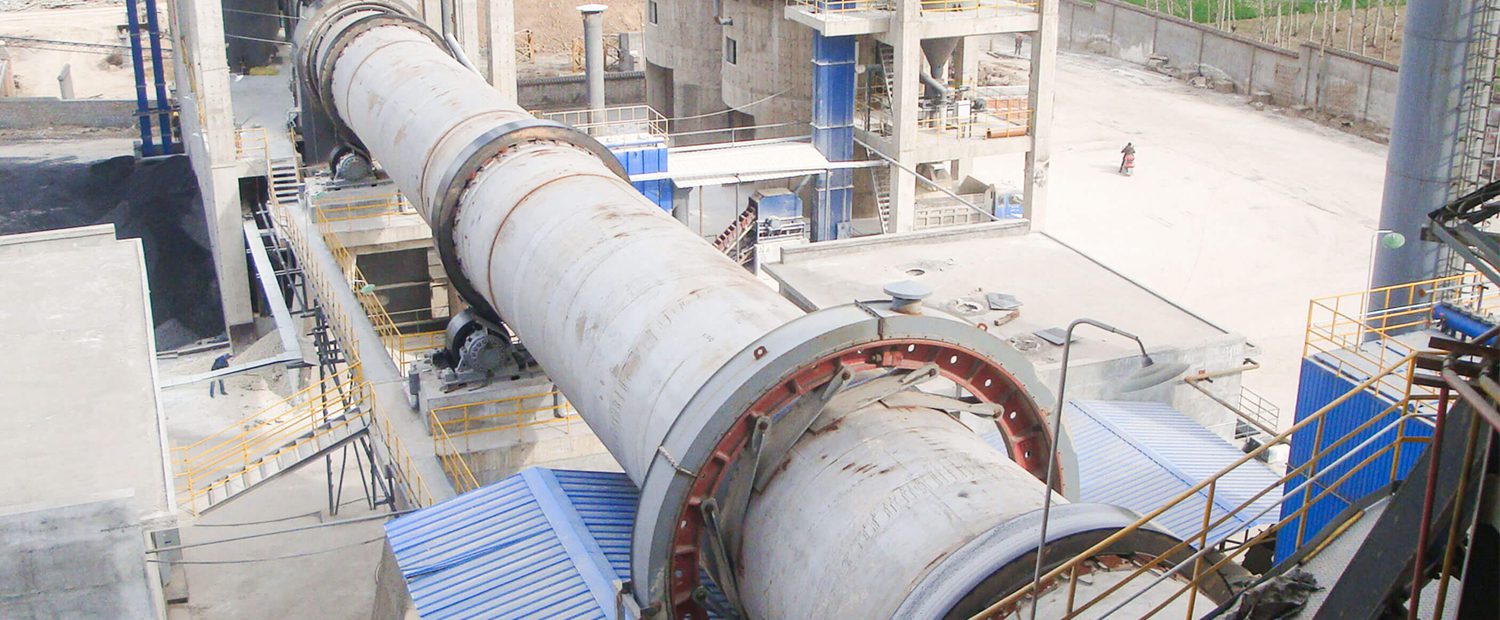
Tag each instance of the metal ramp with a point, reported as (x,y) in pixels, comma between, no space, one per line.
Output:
(271,442)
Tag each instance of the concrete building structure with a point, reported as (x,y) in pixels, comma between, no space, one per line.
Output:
(917,101)
(74,527)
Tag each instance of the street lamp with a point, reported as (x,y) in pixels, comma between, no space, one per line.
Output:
(1150,374)
(1391,240)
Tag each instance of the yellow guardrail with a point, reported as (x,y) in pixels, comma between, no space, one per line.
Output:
(333,208)
(618,120)
(454,463)
(411,348)
(1200,543)
(1356,331)
(405,469)
(1002,118)
(251,143)
(467,422)
(321,283)
(841,6)
(316,411)
(525,46)
(971,6)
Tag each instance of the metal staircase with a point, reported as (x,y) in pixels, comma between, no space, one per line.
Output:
(286,180)
(880,177)
(887,89)
(271,442)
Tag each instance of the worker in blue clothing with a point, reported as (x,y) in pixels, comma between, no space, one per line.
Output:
(221,362)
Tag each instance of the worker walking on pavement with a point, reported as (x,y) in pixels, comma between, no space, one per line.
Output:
(221,362)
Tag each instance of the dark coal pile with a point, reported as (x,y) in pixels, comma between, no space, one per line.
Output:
(155,200)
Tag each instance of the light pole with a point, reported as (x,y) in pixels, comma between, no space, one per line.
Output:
(1150,374)
(1392,240)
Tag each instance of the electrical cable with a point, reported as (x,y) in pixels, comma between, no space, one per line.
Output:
(270,559)
(276,15)
(263,522)
(286,531)
(243,37)
(734,109)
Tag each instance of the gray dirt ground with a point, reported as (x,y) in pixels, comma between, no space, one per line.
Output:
(337,584)
(1239,215)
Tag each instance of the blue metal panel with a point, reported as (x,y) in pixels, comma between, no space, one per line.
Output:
(1320,386)
(509,550)
(1140,455)
(540,544)
(777,203)
(833,133)
(646,155)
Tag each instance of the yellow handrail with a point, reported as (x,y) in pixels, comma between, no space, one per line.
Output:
(1357,331)
(454,464)
(321,283)
(285,438)
(1308,470)
(470,424)
(239,438)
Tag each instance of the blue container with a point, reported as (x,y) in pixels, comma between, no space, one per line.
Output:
(777,202)
(1320,386)
(645,155)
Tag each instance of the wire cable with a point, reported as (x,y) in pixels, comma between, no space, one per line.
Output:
(734,109)
(262,522)
(270,559)
(285,531)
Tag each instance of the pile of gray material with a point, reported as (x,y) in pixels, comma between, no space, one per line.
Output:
(155,200)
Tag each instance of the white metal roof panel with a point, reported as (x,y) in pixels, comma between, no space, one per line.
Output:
(744,163)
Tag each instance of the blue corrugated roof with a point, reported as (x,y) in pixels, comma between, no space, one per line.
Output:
(540,544)
(1140,455)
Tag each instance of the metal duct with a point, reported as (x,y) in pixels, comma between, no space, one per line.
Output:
(724,402)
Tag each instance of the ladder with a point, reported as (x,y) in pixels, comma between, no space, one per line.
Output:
(286,180)
(886,87)
(1475,156)
(880,177)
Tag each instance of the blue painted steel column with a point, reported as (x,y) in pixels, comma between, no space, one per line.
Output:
(833,133)
(159,79)
(142,105)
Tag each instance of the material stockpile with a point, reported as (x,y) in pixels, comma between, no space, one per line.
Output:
(154,200)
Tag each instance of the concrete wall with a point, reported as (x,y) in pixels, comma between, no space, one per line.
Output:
(392,600)
(1332,81)
(45,112)
(570,92)
(82,560)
